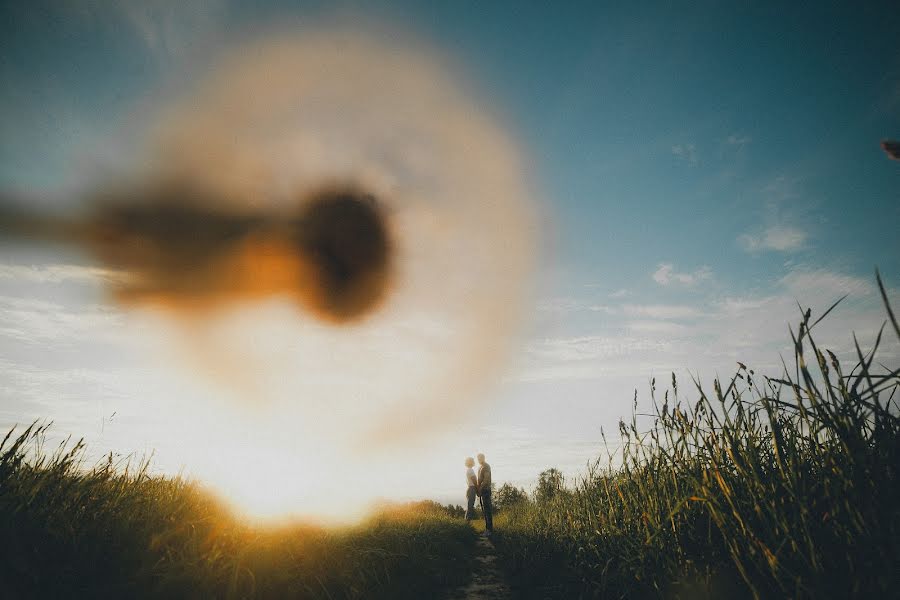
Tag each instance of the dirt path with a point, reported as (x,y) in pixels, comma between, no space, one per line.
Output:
(487,581)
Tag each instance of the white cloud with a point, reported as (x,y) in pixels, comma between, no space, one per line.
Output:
(711,335)
(55,273)
(168,29)
(593,347)
(781,238)
(685,152)
(657,327)
(559,305)
(661,311)
(570,305)
(561,371)
(738,140)
(782,188)
(666,274)
(603,308)
(822,285)
(31,320)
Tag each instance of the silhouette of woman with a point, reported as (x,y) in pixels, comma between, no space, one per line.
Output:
(472,483)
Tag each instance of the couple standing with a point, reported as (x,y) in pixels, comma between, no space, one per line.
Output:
(479,485)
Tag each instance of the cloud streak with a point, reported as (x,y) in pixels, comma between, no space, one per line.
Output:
(666,274)
(660,311)
(57,273)
(716,331)
(33,321)
(738,141)
(593,347)
(686,153)
(779,238)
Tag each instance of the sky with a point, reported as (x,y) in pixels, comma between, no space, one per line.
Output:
(692,172)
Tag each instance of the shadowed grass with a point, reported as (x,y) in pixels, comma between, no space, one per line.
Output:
(783,487)
(121,533)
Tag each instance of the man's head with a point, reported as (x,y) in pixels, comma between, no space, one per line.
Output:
(480,459)
(470,462)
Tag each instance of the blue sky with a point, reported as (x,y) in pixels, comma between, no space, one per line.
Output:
(698,170)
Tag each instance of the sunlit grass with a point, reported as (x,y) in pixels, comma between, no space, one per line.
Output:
(761,487)
(120,532)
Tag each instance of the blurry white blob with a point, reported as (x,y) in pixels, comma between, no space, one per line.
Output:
(335,410)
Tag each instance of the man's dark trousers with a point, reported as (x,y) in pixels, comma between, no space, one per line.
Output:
(488,510)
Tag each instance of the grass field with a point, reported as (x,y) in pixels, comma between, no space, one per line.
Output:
(758,487)
(123,534)
(769,488)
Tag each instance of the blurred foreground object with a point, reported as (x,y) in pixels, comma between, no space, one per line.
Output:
(891,148)
(349,175)
(174,248)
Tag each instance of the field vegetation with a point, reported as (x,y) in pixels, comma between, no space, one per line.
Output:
(114,532)
(761,487)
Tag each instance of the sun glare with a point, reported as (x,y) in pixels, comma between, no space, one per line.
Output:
(268,484)
(270,468)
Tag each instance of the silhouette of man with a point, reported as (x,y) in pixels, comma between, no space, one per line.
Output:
(484,490)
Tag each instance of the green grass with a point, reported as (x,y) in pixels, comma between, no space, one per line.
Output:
(120,533)
(770,488)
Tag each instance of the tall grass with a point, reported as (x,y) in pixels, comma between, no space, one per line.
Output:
(762,487)
(118,532)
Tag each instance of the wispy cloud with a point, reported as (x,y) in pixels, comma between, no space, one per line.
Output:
(657,326)
(783,202)
(781,238)
(667,274)
(570,305)
(34,321)
(560,305)
(55,273)
(715,331)
(592,347)
(651,311)
(686,152)
(166,28)
(781,188)
(737,140)
(820,284)
(660,311)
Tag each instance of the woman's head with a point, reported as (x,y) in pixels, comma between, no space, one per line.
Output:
(470,462)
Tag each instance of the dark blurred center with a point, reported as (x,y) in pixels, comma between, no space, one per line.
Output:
(345,241)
